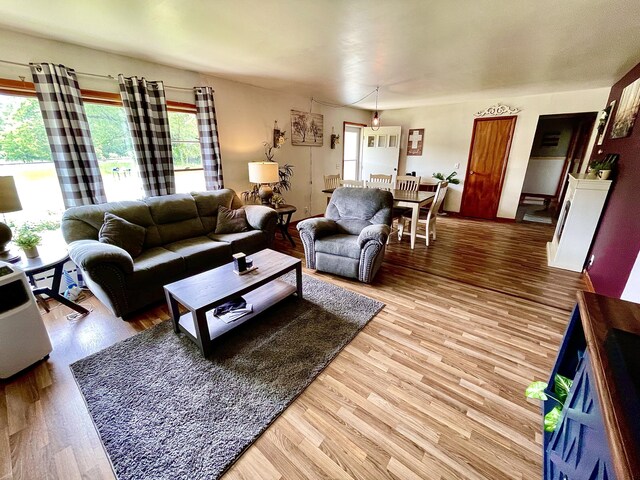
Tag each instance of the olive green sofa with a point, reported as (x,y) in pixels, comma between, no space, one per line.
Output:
(179,242)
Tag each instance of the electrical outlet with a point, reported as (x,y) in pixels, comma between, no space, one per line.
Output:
(456,165)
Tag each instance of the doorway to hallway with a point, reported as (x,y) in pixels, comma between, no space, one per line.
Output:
(559,148)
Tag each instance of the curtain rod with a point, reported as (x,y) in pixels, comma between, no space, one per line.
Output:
(96,75)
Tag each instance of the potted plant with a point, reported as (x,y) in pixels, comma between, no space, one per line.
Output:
(28,239)
(450,179)
(561,387)
(602,168)
(285,172)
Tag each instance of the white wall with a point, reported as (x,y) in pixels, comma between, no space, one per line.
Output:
(448,131)
(245,113)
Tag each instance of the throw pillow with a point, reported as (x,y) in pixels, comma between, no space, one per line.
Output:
(231,221)
(122,233)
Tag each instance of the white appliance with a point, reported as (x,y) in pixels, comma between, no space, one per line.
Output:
(23,336)
(577,223)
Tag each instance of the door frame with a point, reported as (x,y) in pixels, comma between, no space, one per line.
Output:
(505,160)
(344,130)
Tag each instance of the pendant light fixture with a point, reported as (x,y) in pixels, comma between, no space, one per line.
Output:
(375,124)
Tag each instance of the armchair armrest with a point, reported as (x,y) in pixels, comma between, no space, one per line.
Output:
(260,217)
(88,254)
(317,227)
(378,233)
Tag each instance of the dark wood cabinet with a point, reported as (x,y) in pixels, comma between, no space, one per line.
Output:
(597,436)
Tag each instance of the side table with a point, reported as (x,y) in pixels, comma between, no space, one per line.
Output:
(49,259)
(284,219)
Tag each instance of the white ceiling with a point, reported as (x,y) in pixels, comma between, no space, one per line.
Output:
(418,52)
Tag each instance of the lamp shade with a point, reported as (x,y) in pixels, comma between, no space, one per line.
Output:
(263,172)
(9,200)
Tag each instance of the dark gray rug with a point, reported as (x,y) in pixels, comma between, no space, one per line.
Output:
(165,412)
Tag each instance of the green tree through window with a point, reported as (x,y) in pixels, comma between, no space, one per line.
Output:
(22,134)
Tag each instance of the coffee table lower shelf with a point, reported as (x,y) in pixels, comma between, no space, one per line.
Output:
(261,298)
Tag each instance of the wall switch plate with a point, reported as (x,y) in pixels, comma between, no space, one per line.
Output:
(456,165)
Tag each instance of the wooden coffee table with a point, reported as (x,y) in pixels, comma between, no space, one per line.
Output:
(203,292)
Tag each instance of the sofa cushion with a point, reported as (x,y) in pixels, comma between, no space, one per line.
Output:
(207,204)
(355,208)
(342,245)
(84,222)
(245,242)
(201,253)
(231,221)
(156,266)
(121,233)
(175,216)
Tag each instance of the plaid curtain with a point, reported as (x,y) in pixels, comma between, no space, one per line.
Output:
(69,136)
(209,144)
(146,108)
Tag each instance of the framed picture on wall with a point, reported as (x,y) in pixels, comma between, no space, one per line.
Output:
(603,121)
(627,111)
(306,128)
(414,141)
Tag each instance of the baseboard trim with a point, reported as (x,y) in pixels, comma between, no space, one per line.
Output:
(588,282)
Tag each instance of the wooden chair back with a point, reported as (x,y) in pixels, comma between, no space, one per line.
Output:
(352,183)
(407,183)
(381,177)
(380,185)
(331,181)
(441,191)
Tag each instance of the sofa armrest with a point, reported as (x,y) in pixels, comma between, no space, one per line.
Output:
(89,254)
(317,227)
(260,217)
(378,233)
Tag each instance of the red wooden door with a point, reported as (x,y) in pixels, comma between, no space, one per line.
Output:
(490,145)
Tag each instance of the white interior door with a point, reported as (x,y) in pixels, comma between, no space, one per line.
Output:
(380,151)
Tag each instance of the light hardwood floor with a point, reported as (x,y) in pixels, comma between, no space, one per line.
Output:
(431,388)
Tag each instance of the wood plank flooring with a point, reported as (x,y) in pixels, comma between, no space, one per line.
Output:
(432,388)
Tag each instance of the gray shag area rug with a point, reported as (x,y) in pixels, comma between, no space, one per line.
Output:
(165,412)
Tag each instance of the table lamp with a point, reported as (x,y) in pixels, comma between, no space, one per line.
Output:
(9,202)
(264,173)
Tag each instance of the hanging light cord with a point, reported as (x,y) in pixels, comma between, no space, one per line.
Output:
(337,105)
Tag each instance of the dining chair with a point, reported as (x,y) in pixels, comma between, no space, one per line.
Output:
(432,214)
(381,177)
(407,183)
(352,183)
(331,181)
(380,185)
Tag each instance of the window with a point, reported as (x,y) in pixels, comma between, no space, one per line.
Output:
(187,158)
(114,149)
(25,155)
(351,159)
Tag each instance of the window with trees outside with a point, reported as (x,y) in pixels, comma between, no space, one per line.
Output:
(25,155)
(187,158)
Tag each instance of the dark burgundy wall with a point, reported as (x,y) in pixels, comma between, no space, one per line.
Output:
(618,237)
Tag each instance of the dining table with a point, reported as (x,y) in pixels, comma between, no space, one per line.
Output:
(404,198)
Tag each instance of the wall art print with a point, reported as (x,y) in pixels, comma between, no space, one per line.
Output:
(627,111)
(306,129)
(414,141)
